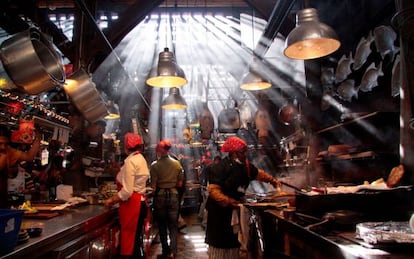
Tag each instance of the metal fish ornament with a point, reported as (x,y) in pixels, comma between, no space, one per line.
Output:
(385,37)
(344,68)
(396,81)
(346,90)
(362,51)
(370,78)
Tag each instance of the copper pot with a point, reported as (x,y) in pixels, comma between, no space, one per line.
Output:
(32,62)
(288,113)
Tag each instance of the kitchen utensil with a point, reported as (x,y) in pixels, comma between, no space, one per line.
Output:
(81,90)
(228,120)
(32,62)
(341,219)
(288,213)
(376,205)
(34,232)
(96,112)
(288,113)
(291,186)
(84,95)
(206,122)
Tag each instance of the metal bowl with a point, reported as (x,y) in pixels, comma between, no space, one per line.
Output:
(34,232)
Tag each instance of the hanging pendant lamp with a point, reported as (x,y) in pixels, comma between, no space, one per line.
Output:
(251,80)
(167,73)
(113,111)
(174,100)
(311,38)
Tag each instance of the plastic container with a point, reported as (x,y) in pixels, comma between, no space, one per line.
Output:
(10,221)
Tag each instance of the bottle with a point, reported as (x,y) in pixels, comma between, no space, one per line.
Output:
(52,192)
(44,157)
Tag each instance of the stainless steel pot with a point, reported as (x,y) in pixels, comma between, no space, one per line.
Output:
(84,95)
(81,90)
(32,62)
(96,112)
(228,120)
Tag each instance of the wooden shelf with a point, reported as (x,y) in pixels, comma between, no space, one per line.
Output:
(355,119)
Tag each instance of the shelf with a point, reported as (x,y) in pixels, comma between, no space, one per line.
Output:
(49,124)
(351,156)
(355,119)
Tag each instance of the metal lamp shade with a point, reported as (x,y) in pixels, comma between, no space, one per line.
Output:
(167,73)
(174,100)
(252,81)
(311,38)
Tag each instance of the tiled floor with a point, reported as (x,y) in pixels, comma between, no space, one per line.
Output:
(190,241)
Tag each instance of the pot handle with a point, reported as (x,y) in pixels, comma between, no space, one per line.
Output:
(312,226)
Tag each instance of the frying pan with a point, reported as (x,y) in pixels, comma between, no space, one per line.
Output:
(340,218)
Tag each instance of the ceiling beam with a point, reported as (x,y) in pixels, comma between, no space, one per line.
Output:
(129,19)
(12,22)
(262,8)
(277,19)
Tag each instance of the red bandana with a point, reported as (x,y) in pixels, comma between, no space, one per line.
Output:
(163,146)
(131,140)
(233,144)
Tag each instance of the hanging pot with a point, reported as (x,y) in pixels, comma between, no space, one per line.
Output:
(228,120)
(262,122)
(84,95)
(96,112)
(288,113)
(81,90)
(206,122)
(31,61)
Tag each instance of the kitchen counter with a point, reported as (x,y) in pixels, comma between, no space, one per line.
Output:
(83,224)
(289,238)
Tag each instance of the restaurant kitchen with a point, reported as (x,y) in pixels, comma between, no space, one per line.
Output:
(332,128)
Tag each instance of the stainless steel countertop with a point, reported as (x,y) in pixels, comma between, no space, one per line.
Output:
(71,223)
(348,248)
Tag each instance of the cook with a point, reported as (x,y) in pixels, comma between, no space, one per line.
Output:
(227,180)
(131,181)
(9,158)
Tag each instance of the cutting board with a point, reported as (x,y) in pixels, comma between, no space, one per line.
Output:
(41,215)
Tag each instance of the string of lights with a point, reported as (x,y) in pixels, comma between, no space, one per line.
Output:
(34,105)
